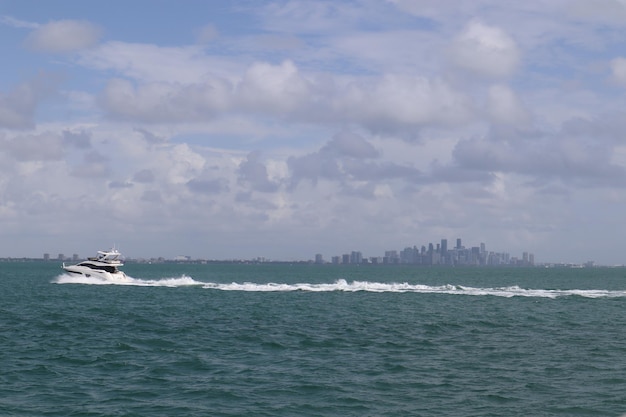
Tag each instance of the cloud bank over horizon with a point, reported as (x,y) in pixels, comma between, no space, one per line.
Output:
(282,129)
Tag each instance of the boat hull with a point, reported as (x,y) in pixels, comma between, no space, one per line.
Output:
(118,276)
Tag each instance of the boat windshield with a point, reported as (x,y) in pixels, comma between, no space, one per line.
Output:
(108,256)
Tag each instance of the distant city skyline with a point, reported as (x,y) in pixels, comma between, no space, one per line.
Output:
(436,254)
(430,254)
(282,128)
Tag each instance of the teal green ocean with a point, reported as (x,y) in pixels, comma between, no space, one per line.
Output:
(307,340)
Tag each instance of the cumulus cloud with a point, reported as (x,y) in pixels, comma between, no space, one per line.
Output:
(63,36)
(376,172)
(278,88)
(579,153)
(164,102)
(400,101)
(93,165)
(80,139)
(120,184)
(151,196)
(313,167)
(144,176)
(208,186)
(390,102)
(264,89)
(33,147)
(180,164)
(346,158)
(151,137)
(485,50)
(347,143)
(252,171)
(505,107)
(18,106)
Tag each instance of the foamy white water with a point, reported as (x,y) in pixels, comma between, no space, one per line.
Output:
(345,286)
(354,286)
(182,281)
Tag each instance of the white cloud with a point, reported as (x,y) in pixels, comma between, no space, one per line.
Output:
(416,120)
(578,155)
(380,103)
(269,88)
(93,165)
(253,171)
(401,101)
(504,107)
(46,146)
(64,36)
(18,106)
(352,145)
(184,164)
(165,102)
(485,50)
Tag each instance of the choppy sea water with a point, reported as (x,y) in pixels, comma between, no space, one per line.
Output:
(306,340)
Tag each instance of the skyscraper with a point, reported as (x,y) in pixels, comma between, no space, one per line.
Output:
(444,252)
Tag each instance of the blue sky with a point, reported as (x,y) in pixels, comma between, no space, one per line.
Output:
(282,129)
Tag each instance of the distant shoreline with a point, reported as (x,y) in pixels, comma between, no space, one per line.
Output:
(311,262)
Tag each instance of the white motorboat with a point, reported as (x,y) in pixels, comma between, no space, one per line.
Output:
(104,266)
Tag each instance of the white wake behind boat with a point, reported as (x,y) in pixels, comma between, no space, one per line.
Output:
(104,266)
